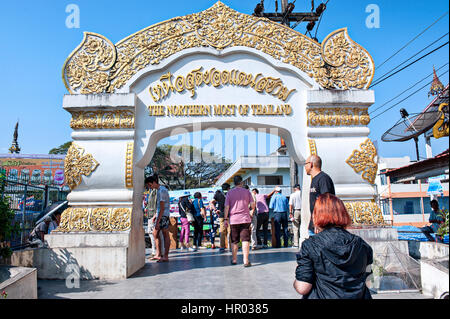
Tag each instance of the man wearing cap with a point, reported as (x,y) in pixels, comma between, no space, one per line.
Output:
(280,205)
(295,208)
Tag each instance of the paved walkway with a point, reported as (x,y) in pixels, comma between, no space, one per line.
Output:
(205,274)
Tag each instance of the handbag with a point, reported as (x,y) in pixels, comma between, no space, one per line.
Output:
(188,213)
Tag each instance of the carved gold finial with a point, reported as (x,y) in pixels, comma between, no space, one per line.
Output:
(76,164)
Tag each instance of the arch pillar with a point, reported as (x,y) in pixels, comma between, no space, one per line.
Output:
(102,232)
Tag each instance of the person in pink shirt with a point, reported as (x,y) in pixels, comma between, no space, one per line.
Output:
(240,218)
(262,213)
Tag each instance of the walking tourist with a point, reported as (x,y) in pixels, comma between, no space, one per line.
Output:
(150,202)
(161,218)
(212,233)
(295,209)
(262,217)
(237,210)
(321,183)
(185,208)
(253,239)
(332,264)
(218,205)
(436,220)
(280,205)
(199,217)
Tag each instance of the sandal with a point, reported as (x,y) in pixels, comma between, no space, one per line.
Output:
(248,264)
(234,262)
(163,260)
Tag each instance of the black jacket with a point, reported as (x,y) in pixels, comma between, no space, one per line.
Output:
(334,262)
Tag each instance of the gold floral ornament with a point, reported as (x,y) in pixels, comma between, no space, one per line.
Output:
(364,161)
(98,66)
(76,165)
(121,119)
(99,219)
(365,213)
(342,116)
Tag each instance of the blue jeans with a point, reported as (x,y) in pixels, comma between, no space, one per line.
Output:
(281,220)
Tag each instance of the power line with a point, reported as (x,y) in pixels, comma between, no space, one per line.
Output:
(406,98)
(417,60)
(428,75)
(410,58)
(412,40)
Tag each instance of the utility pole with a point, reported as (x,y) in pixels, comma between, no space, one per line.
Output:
(286,16)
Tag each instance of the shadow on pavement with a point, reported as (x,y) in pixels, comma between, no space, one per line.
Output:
(183,261)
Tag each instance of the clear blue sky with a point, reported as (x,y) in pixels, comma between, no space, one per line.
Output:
(36,42)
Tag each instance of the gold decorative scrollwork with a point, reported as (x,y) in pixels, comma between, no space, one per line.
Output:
(119,119)
(365,213)
(129,165)
(97,66)
(364,161)
(76,164)
(99,219)
(344,116)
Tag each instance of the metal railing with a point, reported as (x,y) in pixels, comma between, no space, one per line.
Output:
(28,202)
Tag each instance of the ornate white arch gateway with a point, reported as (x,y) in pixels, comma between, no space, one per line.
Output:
(215,69)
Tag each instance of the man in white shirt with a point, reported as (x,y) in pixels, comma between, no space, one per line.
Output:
(295,208)
(161,219)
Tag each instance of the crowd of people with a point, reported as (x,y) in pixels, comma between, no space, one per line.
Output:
(331,262)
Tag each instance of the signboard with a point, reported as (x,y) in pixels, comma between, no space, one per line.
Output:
(435,187)
(34,169)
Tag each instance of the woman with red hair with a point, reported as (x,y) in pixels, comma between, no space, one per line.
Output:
(332,264)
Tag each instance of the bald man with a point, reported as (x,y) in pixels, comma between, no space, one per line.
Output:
(321,183)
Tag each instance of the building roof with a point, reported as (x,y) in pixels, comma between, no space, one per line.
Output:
(430,167)
(246,164)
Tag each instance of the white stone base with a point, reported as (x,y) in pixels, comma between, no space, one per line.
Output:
(91,255)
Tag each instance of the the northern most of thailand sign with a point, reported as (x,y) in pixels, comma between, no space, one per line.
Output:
(170,84)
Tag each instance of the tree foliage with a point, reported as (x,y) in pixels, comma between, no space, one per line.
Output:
(184,167)
(62,149)
(7,226)
(443,229)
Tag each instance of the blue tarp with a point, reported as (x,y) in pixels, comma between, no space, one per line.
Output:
(413,233)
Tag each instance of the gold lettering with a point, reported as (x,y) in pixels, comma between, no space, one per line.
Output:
(179,84)
(194,79)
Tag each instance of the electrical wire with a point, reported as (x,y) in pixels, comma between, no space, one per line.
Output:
(409,58)
(428,75)
(373,118)
(412,40)
(417,60)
